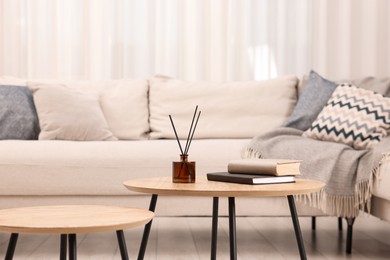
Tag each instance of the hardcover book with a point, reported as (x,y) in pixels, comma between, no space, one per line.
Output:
(248,178)
(276,167)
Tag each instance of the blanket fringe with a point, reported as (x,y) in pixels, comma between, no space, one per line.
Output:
(376,170)
(336,205)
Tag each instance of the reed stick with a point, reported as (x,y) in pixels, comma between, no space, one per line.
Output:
(192,135)
(177,138)
(189,132)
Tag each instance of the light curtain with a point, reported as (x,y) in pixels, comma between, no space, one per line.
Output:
(351,38)
(193,39)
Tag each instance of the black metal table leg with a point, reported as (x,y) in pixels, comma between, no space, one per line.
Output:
(122,244)
(63,246)
(297,228)
(72,247)
(340,221)
(11,246)
(350,222)
(232,229)
(313,223)
(145,236)
(214,229)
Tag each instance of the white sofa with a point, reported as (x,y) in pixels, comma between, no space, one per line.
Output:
(41,172)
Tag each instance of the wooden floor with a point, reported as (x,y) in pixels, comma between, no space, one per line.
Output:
(189,238)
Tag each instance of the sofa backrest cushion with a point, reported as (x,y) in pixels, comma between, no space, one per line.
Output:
(379,85)
(229,110)
(18,117)
(69,114)
(124,104)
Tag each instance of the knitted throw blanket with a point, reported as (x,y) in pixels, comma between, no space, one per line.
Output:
(348,173)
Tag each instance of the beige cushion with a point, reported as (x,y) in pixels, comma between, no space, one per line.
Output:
(229,110)
(124,104)
(380,85)
(69,114)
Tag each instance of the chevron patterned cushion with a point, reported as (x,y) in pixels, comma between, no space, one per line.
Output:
(353,116)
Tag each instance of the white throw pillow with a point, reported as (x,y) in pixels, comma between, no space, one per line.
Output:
(229,110)
(69,114)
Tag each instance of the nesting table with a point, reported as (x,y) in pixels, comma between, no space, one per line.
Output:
(69,220)
(203,187)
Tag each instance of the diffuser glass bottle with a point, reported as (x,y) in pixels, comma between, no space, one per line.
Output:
(183,171)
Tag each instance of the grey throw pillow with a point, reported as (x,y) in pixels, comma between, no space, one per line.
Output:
(18,117)
(311,101)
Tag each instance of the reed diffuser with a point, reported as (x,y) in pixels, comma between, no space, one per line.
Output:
(183,171)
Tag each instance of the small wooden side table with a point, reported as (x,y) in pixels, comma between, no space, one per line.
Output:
(203,187)
(69,220)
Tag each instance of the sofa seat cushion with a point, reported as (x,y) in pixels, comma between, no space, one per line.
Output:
(100,168)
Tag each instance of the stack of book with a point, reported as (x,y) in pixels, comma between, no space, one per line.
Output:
(258,171)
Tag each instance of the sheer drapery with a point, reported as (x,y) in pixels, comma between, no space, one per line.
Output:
(193,39)
(351,38)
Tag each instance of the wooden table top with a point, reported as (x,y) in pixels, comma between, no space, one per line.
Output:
(203,187)
(71,219)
